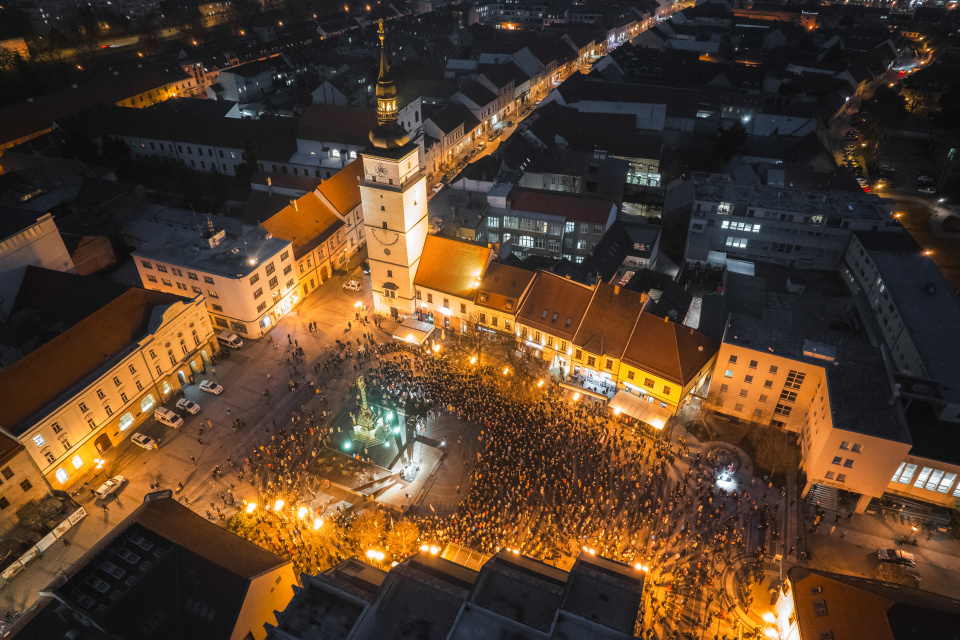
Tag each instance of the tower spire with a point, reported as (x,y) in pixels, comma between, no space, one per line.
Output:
(384,68)
(388,134)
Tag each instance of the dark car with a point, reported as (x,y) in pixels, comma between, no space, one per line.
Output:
(365,267)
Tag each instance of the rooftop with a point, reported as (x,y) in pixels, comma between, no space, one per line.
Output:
(13,220)
(838,204)
(669,350)
(787,324)
(568,205)
(233,257)
(329,123)
(451,266)
(167,573)
(866,608)
(502,284)
(605,592)
(925,301)
(305,222)
(555,305)
(342,190)
(609,320)
(61,366)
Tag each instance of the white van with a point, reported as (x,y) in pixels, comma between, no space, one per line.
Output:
(168,417)
(228,339)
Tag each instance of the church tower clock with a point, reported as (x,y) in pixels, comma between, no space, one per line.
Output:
(394,197)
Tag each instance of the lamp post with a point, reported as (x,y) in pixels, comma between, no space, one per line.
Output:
(914,529)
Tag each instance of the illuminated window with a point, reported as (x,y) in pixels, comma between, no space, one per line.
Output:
(62,476)
(77,462)
(125,421)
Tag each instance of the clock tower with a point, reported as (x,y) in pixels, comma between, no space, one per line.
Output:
(394,197)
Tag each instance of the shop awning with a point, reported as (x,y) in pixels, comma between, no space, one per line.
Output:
(640,409)
(413,331)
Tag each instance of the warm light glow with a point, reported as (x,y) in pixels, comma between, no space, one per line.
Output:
(540,384)
(576,396)
(251,506)
(436,347)
(516,552)
(768,617)
(278,505)
(316,523)
(616,411)
(302,512)
(657,423)
(424,547)
(434,550)
(770,633)
(252,261)
(914,528)
(506,370)
(473,360)
(928,253)
(357,304)
(410,338)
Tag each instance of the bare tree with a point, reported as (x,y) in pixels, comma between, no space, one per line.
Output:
(402,539)
(367,529)
(772,446)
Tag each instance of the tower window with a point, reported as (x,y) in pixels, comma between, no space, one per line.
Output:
(384,223)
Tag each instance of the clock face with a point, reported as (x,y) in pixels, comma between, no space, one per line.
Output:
(381,170)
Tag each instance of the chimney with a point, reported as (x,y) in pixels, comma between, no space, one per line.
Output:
(296,207)
(616,289)
(666,318)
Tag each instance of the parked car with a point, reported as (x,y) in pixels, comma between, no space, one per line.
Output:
(188,406)
(887,168)
(110,486)
(210,387)
(351,285)
(365,267)
(896,556)
(926,188)
(228,339)
(168,417)
(145,442)
(437,187)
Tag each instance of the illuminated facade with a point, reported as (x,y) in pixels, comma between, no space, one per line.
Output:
(87,389)
(248,280)
(394,197)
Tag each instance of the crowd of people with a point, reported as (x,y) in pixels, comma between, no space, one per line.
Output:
(552,479)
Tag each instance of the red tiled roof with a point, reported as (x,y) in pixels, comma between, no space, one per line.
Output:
(329,123)
(501,283)
(555,305)
(669,350)
(609,321)
(571,206)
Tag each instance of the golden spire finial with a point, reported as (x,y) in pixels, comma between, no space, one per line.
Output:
(381,33)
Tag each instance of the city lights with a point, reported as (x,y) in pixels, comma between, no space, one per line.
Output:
(302,512)
(251,507)
(317,522)
(278,504)
(576,396)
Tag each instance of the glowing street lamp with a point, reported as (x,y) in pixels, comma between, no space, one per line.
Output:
(436,347)
(251,507)
(434,550)
(302,512)
(278,505)
(424,548)
(473,360)
(506,370)
(316,523)
(540,384)
(576,396)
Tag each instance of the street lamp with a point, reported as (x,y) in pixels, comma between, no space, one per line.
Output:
(278,505)
(251,507)
(914,529)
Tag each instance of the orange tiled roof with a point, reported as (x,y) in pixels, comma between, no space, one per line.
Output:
(451,266)
(669,350)
(342,190)
(305,224)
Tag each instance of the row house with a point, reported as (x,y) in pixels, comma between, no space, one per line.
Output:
(454,127)
(76,397)
(248,280)
(499,294)
(481,102)
(247,82)
(500,82)
(20,482)
(539,63)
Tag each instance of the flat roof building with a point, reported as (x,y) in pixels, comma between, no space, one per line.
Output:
(247,280)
